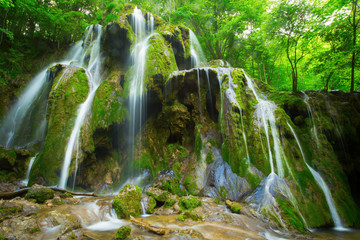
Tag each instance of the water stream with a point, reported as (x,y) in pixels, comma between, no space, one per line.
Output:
(26,123)
(308,107)
(26,180)
(92,43)
(137,96)
(320,181)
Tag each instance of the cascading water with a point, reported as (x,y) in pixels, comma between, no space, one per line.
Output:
(308,107)
(320,181)
(197,60)
(265,115)
(26,180)
(26,121)
(93,73)
(137,97)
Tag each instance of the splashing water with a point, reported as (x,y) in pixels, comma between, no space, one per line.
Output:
(93,73)
(320,181)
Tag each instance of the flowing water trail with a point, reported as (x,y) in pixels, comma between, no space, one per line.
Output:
(137,97)
(265,117)
(26,180)
(93,73)
(308,107)
(14,129)
(320,181)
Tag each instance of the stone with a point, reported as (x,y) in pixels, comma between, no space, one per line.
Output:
(127,202)
(39,193)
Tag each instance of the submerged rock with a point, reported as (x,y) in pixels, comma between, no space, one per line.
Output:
(123,233)
(127,202)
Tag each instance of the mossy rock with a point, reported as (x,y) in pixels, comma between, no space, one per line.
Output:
(39,193)
(151,205)
(67,93)
(158,194)
(189,203)
(189,215)
(123,233)
(234,206)
(127,202)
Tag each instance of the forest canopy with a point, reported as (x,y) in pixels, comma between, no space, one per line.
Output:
(292,45)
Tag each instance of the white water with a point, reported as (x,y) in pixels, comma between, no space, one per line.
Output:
(308,107)
(93,74)
(137,98)
(26,180)
(12,123)
(265,116)
(320,181)
(197,55)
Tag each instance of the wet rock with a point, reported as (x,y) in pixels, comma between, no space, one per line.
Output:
(39,193)
(149,204)
(158,194)
(127,202)
(222,182)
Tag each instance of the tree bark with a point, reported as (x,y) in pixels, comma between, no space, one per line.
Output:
(23,191)
(354,25)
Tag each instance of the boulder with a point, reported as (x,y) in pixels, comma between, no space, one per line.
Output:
(39,193)
(127,202)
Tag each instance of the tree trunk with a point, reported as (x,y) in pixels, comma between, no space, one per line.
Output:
(326,87)
(262,60)
(354,25)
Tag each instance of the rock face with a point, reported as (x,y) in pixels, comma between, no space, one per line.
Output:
(127,202)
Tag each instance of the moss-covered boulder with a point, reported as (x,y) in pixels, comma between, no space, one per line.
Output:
(39,193)
(190,202)
(127,202)
(149,204)
(158,194)
(123,233)
(13,163)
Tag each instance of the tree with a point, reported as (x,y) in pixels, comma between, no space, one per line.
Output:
(290,20)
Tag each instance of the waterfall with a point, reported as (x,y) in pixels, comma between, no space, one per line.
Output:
(26,121)
(320,181)
(308,107)
(93,73)
(137,98)
(231,95)
(26,180)
(265,115)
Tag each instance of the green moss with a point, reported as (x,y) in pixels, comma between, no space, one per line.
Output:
(127,202)
(63,101)
(159,62)
(152,205)
(35,230)
(40,195)
(189,215)
(169,202)
(291,215)
(190,185)
(223,192)
(123,233)
(66,195)
(57,202)
(209,158)
(189,203)
(198,145)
